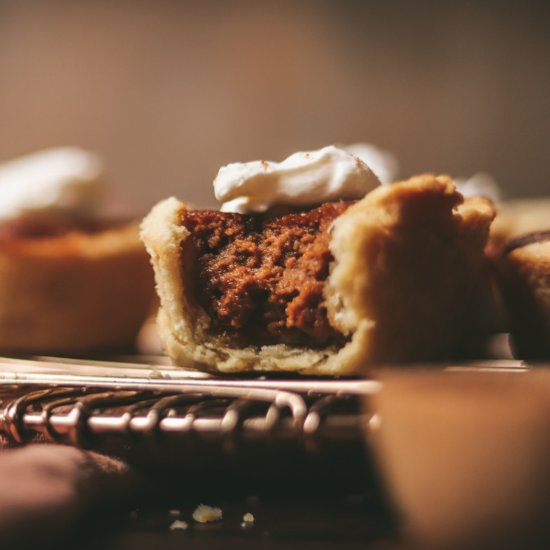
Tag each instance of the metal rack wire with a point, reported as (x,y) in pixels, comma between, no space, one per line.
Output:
(68,415)
(152,410)
(78,402)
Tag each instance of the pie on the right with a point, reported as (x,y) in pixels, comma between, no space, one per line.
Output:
(523,273)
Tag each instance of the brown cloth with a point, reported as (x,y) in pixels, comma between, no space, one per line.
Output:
(45,490)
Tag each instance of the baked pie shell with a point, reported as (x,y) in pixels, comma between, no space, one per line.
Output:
(407,261)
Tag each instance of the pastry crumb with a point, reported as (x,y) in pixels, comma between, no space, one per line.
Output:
(179,525)
(174,513)
(248,518)
(206,514)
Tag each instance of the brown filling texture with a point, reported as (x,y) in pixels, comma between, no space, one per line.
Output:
(261,278)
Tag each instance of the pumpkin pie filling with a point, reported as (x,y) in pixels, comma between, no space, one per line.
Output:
(260,278)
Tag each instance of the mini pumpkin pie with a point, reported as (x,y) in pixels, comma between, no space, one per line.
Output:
(326,290)
(517,220)
(523,270)
(71,282)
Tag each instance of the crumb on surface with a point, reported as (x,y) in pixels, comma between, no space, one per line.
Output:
(206,514)
(174,513)
(248,518)
(179,525)
(156,374)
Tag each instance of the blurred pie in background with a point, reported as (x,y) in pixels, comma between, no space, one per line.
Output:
(519,249)
(519,217)
(72,281)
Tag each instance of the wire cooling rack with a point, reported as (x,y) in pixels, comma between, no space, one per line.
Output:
(150,412)
(157,414)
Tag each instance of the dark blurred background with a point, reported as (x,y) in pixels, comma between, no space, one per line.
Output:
(167,91)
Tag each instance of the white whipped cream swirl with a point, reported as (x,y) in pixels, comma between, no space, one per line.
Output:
(303,179)
(383,163)
(62,181)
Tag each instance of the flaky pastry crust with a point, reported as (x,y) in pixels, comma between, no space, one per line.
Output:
(407,258)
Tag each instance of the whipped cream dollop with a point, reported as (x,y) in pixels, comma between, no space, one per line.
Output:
(303,179)
(382,162)
(62,181)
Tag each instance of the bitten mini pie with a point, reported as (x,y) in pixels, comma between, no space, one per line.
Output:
(326,290)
